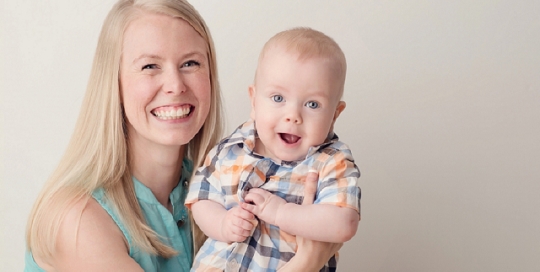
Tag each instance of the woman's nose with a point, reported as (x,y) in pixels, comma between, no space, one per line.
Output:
(174,83)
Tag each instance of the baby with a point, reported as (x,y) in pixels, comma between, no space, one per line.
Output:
(295,100)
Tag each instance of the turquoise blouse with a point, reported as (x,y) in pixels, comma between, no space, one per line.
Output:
(174,228)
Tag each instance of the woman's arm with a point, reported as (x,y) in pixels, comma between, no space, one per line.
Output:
(311,255)
(89,240)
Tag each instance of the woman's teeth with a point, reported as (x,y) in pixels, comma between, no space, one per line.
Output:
(172,114)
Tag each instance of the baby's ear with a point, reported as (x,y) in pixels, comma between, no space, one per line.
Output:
(251,90)
(339,109)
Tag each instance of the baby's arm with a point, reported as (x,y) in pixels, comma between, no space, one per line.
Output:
(321,222)
(216,222)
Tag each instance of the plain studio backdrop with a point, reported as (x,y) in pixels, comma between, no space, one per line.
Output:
(443,117)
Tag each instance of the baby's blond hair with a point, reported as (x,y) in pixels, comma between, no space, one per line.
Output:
(308,43)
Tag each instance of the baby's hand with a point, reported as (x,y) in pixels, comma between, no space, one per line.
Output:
(263,204)
(237,225)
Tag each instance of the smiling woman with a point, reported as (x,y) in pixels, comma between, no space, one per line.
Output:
(125,165)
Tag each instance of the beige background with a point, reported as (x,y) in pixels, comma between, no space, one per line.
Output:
(443,117)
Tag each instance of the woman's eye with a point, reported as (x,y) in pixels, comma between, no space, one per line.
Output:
(149,66)
(277,98)
(312,104)
(191,63)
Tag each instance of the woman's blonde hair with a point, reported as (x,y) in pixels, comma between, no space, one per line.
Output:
(97,155)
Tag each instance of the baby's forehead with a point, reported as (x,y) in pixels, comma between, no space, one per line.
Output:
(271,53)
(295,51)
(278,54)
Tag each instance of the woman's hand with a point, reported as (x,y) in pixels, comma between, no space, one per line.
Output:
(311,255)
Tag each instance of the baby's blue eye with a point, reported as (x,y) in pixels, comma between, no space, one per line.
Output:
(277,98)
(312,104)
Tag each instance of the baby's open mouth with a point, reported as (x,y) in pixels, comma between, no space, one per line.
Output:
(289,138)
(168,113)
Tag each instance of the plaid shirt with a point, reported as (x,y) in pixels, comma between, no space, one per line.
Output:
(232,168)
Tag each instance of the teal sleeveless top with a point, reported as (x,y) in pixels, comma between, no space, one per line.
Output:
(174,229)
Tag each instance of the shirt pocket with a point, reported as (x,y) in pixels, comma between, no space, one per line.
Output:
(290,188)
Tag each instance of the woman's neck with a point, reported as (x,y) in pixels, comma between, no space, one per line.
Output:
(158,168)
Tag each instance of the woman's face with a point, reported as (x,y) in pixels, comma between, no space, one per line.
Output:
(164,80)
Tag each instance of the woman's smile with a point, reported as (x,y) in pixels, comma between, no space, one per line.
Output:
(172,112)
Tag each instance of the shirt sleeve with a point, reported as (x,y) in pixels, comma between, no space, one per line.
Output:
(205,183)
(338,180)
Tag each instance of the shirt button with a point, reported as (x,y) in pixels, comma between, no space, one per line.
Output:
(233,265)
(186,184)
(180,223)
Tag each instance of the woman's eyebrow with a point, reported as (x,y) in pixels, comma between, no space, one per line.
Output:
(150,56)
(195,53)
(154,56)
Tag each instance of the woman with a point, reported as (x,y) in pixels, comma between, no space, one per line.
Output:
(152,109)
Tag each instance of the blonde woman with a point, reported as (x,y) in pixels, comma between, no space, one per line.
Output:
(152,110)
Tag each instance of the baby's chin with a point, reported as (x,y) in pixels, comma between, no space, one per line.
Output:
(290,157)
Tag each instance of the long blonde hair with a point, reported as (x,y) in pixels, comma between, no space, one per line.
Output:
(97,155)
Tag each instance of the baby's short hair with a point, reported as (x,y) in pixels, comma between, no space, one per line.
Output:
(309,43)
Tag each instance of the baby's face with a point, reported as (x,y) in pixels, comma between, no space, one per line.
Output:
(294,104)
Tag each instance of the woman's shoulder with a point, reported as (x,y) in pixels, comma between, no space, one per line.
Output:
(85,221)
(89,239)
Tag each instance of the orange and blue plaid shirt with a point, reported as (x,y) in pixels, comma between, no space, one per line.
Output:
(232,168)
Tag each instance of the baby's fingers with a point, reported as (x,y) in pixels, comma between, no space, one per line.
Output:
(243,224)
(257,196)
(250,208)
(239,235)
(241,231)
(244,213)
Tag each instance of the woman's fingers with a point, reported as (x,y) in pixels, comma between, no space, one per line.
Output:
(310,187)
